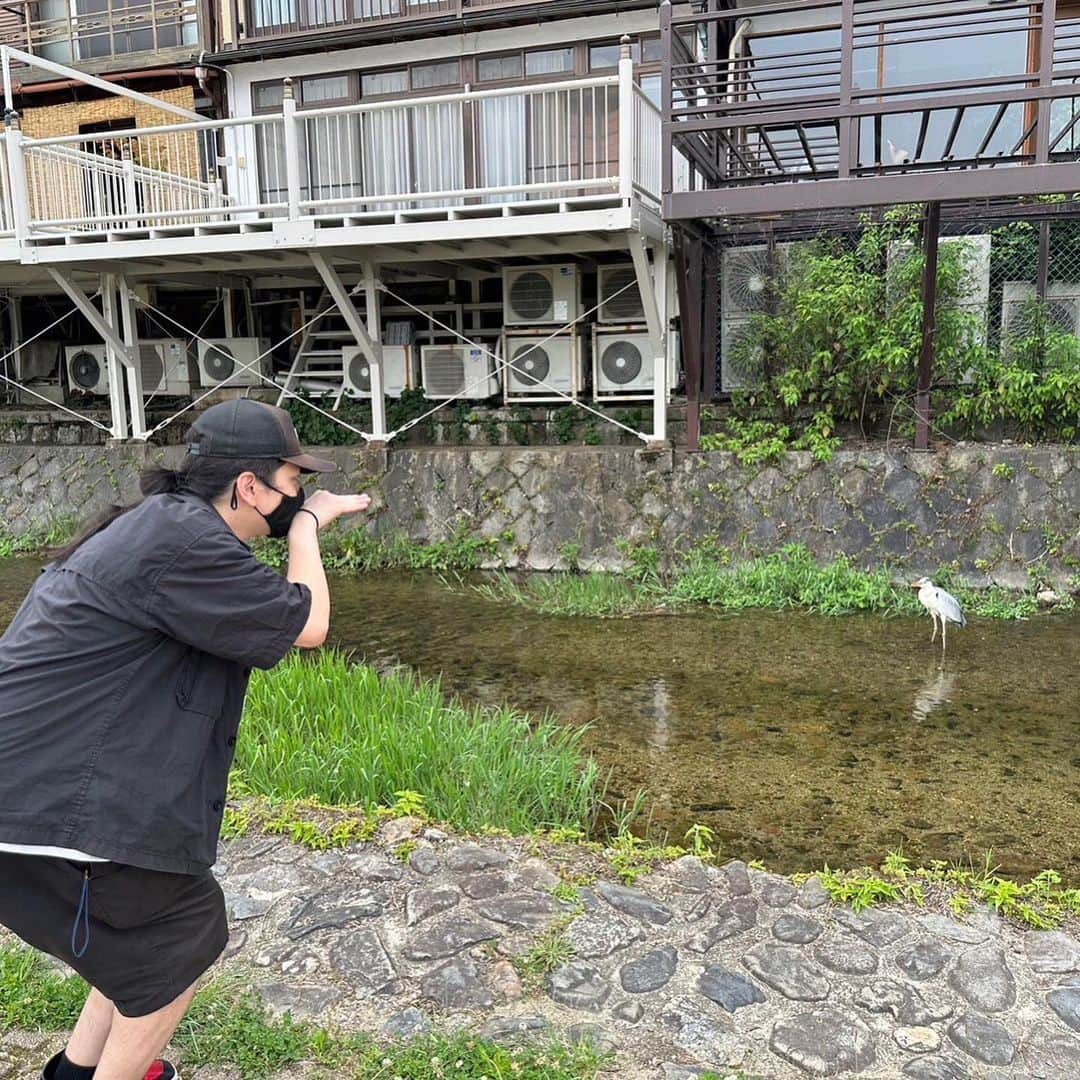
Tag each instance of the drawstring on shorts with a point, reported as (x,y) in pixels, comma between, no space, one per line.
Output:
(84,914)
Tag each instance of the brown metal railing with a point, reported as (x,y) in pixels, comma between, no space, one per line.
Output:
(908,96)
(100,30)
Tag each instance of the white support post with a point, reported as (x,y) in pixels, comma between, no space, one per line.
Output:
(374,322)
(626,120)
(291,128)
(650,282)
(114,361)
(371,345)
(662,360)
(20,197)
(131,187)
(134,369)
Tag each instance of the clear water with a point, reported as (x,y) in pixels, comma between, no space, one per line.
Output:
(798,739)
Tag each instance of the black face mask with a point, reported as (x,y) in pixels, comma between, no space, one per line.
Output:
(281,517)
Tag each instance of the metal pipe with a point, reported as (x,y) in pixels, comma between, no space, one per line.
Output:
(734,49)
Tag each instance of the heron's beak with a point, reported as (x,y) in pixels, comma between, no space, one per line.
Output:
(914,585)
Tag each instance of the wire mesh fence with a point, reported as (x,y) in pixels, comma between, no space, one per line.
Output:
(821,320)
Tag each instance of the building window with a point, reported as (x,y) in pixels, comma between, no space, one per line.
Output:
(383,83)
(607,55)
(429,76)
(499,68)
(327,90)
(549,61)
(267,96)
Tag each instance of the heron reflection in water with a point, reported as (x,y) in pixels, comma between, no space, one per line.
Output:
(935,692)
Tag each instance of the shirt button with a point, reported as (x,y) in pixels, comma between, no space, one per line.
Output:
(218,806)
(231,740)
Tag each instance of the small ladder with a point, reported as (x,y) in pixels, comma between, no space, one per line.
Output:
(318,367)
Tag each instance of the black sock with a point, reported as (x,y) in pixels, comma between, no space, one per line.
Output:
(65,1070)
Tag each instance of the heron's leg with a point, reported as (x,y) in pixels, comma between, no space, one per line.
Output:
(944,623)
(933,619)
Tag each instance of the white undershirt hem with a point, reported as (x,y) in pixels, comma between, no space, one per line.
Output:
(50,852)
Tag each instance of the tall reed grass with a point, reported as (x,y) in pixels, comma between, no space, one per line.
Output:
(342,733)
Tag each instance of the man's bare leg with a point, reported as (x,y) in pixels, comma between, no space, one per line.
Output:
(88,1039)
(134,1042)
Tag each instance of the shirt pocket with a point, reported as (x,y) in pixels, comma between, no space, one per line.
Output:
(201,685)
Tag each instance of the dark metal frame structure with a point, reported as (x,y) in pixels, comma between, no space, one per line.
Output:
(789,140)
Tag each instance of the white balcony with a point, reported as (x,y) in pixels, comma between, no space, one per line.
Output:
(569,157)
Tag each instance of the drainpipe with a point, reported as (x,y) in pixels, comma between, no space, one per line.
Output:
(733,54)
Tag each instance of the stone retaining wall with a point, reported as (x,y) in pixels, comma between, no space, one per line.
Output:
(995,513)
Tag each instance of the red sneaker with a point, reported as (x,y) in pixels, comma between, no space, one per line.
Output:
(159,1070)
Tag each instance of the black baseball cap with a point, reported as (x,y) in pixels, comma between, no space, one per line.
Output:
(245,428)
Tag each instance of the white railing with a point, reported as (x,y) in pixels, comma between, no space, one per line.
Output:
(648,147)
(7,220)
(558,141)
(489,146)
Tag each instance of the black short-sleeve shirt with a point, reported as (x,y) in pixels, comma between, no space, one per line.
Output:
(122,682)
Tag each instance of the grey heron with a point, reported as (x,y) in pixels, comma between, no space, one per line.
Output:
(941,605)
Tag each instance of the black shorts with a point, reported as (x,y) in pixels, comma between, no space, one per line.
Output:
(151,934)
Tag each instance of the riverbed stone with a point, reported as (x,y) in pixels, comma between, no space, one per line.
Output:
(408,1024)
(846,956)
(363,960)
(825,1042)
(333,909)
(985,1040)
(778,894)
(501,1029)
(1050,952)
(471,858)
(525,911)
(593,1036)
(1066,1003)
(486,885)
(596,936)
(651,972)
(373,866)
(917,1040)
(630,1011)
(448,937)
(728,989)
(692,874)
(982,977)
(877,928)
(935,1068)
(903,1003)
(424,860)
(1049,1054)
(796,929)
(241,908)
(730,918)
(710,1039)
(738,878)
(923,960)
(812,894)
(304,1002)
(581,986)
(787,970)
(421,904)
(634,903)
(457,985)
(964,933)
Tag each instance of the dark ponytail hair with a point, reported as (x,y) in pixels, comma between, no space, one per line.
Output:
(207,477)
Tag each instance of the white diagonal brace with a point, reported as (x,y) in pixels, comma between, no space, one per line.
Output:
(114,366)
(10,54)
(371,346)
(649,283)
(94,317)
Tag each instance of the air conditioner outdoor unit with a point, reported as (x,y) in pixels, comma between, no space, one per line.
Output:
(38,360)
(87,369)
(449,371)
(541,369)
(541,294)
(619,295)
(741,361)
(164,363)
(399,371)
(622,363)
(1018,309)
(233,361)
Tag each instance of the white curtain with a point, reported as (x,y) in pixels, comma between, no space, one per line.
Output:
(501,154)
(385,143)
(439,148)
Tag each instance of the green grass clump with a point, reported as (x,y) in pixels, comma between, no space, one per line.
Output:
(341,733)
(38,539)
(34,997)
(569,594)
(228,1026)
